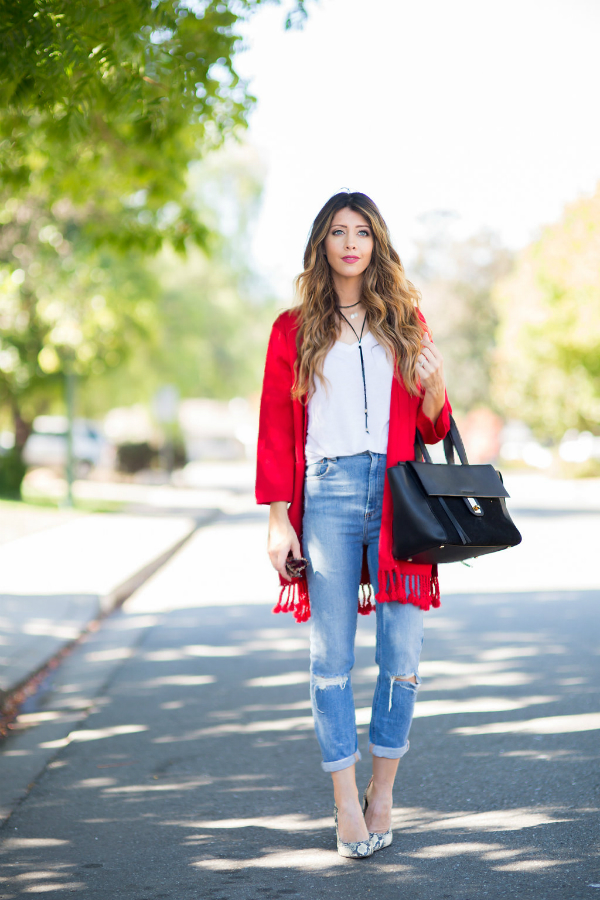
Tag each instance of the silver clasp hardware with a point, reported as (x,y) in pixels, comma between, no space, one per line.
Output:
(473,505)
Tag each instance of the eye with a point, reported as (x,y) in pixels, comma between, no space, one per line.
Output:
(364,232)
(337,231)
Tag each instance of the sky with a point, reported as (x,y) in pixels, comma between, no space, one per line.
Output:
(485,109)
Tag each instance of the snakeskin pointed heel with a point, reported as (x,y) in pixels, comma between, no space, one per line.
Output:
(380,839)
(352,849)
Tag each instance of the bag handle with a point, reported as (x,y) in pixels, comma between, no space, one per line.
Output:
(421,451)
(452,441)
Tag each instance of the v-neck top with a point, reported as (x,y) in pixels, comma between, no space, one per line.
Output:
(336,410)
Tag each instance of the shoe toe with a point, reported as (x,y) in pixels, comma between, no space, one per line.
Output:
(355,850)
(380,840)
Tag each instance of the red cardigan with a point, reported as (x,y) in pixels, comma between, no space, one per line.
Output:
(281,465)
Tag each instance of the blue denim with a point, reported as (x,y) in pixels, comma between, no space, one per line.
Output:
(343,499)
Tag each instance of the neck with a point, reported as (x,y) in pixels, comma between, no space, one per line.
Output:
(348,290)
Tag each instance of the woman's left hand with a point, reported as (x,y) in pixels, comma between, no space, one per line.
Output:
(430,368)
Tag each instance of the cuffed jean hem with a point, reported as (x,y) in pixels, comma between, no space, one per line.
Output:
(389,752)
(340,764)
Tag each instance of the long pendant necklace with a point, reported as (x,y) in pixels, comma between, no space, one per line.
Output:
(362,361)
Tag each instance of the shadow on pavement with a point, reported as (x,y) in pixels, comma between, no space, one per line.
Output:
(197,773)
(33,628)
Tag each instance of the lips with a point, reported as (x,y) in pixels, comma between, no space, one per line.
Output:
(350,259)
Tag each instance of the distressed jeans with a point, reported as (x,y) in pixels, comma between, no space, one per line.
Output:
(343,500)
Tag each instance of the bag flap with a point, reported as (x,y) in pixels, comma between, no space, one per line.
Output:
(440,480)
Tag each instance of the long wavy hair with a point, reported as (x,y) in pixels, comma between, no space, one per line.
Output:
(389,298)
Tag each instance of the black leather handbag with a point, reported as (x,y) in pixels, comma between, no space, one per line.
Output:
(447,513)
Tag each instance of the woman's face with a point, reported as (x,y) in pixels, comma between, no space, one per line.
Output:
(349,243)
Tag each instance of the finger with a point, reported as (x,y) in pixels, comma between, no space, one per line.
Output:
(274,559)
(426,375)
(434,359)
(430,357)
(281,567)
(430,348)
(435,352)
(277,560)
(296,551)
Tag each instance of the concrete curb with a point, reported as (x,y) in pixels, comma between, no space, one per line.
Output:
(117,596)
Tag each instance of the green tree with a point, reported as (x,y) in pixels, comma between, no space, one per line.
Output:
(67,305)
(212,315)
(547,367)
(104,107)
(108,103)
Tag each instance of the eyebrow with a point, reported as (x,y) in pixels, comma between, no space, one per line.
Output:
(337,225)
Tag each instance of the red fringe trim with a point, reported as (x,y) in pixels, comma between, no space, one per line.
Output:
(421,590)
(293,597)
(366,600)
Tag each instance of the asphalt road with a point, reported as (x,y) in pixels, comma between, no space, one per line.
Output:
(191,769)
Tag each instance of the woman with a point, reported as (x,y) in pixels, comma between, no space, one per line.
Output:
(351,373)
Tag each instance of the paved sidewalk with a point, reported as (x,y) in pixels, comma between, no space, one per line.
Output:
(20,519)
(55,581)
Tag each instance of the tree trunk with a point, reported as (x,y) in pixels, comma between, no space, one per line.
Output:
(22,428)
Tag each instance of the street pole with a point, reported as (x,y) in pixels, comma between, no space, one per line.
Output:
(70,404)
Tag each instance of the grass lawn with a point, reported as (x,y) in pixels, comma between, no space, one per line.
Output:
(38,500)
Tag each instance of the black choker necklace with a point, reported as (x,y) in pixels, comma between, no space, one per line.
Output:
(349,307)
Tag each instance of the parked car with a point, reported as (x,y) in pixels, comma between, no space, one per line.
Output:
(47,443)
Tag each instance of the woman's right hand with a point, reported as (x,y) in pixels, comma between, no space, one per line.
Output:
(282,538)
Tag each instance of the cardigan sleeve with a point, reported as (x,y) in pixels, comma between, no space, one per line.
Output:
(432,432)
(275,454)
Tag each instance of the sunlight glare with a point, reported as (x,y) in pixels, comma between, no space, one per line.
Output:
(547,725)
(180,680)
(279,680)
(303,860)
(444,851)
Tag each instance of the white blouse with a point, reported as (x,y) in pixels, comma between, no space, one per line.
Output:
(336,410)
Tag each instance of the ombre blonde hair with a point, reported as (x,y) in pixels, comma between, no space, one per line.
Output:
(390,300)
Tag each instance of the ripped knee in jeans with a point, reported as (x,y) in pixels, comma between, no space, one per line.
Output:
(322,683)
(402,679)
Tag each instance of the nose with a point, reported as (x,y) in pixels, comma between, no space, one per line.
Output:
(350,243)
